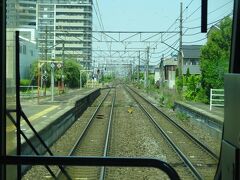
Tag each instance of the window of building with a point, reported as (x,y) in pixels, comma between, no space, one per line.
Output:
(20,49)
(24,49)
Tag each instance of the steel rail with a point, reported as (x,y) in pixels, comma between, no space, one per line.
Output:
(85,129)
(214,155)
(177,150)
(88,125)
(106,144)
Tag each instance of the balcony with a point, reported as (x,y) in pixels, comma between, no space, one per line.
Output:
(67,24)
(71,46)
(70,10)
(66,16)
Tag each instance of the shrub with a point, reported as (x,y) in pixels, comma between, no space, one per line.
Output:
(25,82)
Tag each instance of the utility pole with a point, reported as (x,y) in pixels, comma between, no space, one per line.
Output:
(46,37)
(41,70)
(180,53)
(63,58)
(146,69)
(131,69)
(52,81)
(147,64)
(138,78)
(161,72)
(46,58)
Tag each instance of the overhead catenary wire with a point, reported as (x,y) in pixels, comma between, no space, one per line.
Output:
(199,40)
(188,6)
(214,22)
(196,10)
(186,33)
(189,42)
(100,21)
(100,16)
(179,16)
(215,10)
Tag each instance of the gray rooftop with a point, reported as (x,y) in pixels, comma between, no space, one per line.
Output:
(191,51)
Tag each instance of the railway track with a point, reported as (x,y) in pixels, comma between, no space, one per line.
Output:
(199,159)
(94,140)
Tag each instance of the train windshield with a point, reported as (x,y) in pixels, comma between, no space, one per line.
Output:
(115,79)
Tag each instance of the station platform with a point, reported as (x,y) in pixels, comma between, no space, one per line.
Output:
(50,118)
(216,115)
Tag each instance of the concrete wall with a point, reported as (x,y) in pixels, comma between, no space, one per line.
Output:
(171,79)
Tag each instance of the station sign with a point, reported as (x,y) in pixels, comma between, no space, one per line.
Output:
(52,65)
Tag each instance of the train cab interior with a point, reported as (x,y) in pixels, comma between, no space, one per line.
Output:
(229,163)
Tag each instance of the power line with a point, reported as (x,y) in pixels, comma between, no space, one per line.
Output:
(100,25)
(218,8)
(179,17)
(192,34)
(208,29)
(100,16)
(170,37)
(168,48)
(195,41)
(214,22)
(192,13)
(188,6)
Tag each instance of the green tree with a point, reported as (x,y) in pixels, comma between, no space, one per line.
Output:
(215,55)
(192,84)
(34,72)
(71,72)
(187,74)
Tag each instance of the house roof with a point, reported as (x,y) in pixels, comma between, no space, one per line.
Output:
(191,51)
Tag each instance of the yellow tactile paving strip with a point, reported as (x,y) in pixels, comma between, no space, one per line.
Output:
(32,118)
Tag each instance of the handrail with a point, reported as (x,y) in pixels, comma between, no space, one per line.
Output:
(91,161)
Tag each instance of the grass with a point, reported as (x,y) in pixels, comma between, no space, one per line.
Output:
(166,97)
(182,116)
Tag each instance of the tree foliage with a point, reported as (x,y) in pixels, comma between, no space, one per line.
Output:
(193,87)
(71,72)
(214,60)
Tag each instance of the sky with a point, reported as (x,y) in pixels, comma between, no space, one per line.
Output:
(155,15)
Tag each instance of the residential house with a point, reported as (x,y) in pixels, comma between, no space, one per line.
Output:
(191,59)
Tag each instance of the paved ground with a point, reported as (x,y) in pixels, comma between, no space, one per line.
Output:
(43,113)
(67,98)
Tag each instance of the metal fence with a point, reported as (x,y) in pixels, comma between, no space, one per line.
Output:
(216,98)
(28,91)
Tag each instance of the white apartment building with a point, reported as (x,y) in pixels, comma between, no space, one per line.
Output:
(21,14)
(65,29)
